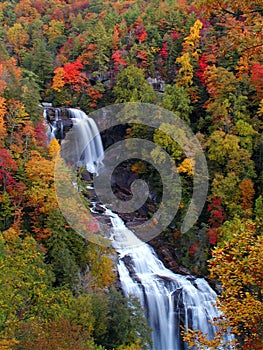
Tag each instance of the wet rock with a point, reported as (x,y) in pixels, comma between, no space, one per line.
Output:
(129,265)
(126,217)
(60,119)
(91,194)
(171,262)
(86,176)
(99,209)
(135,222)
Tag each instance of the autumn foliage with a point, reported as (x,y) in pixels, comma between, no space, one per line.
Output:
(237,264)
(203,61)
(70,74)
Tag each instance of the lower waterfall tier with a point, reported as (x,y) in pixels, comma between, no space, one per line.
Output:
(170,300)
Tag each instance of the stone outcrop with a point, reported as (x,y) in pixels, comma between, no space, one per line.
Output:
(60,119)
(171,262)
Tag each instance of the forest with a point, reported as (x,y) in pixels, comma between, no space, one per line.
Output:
(201,60)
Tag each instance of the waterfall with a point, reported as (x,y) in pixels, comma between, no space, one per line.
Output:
(50,129)
(83,142)
(170,299)
(87,142)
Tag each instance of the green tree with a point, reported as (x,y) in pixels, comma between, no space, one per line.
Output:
(176,99)
(26,291)
(259,211)
(7,211)
(66,250)
(40,61)
(125,323)
(131,86)
(17,37)
(31,95)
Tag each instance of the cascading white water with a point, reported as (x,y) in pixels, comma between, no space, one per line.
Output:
(88,146)
(170,299)
(83,143)
(50,129)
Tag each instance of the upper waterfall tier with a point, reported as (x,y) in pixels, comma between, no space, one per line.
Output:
(80,138)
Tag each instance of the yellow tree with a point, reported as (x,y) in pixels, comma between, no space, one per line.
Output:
(237,263)
(3,132)
(16,117)
(25,11)
(17,37)
(53,148)
(192,41)
(41,192)
(189,58)
(186,71)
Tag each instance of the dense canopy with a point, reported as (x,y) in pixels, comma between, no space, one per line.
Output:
(206,61)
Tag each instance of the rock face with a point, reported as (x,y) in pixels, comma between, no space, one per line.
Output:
(60,120)
(171,262)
